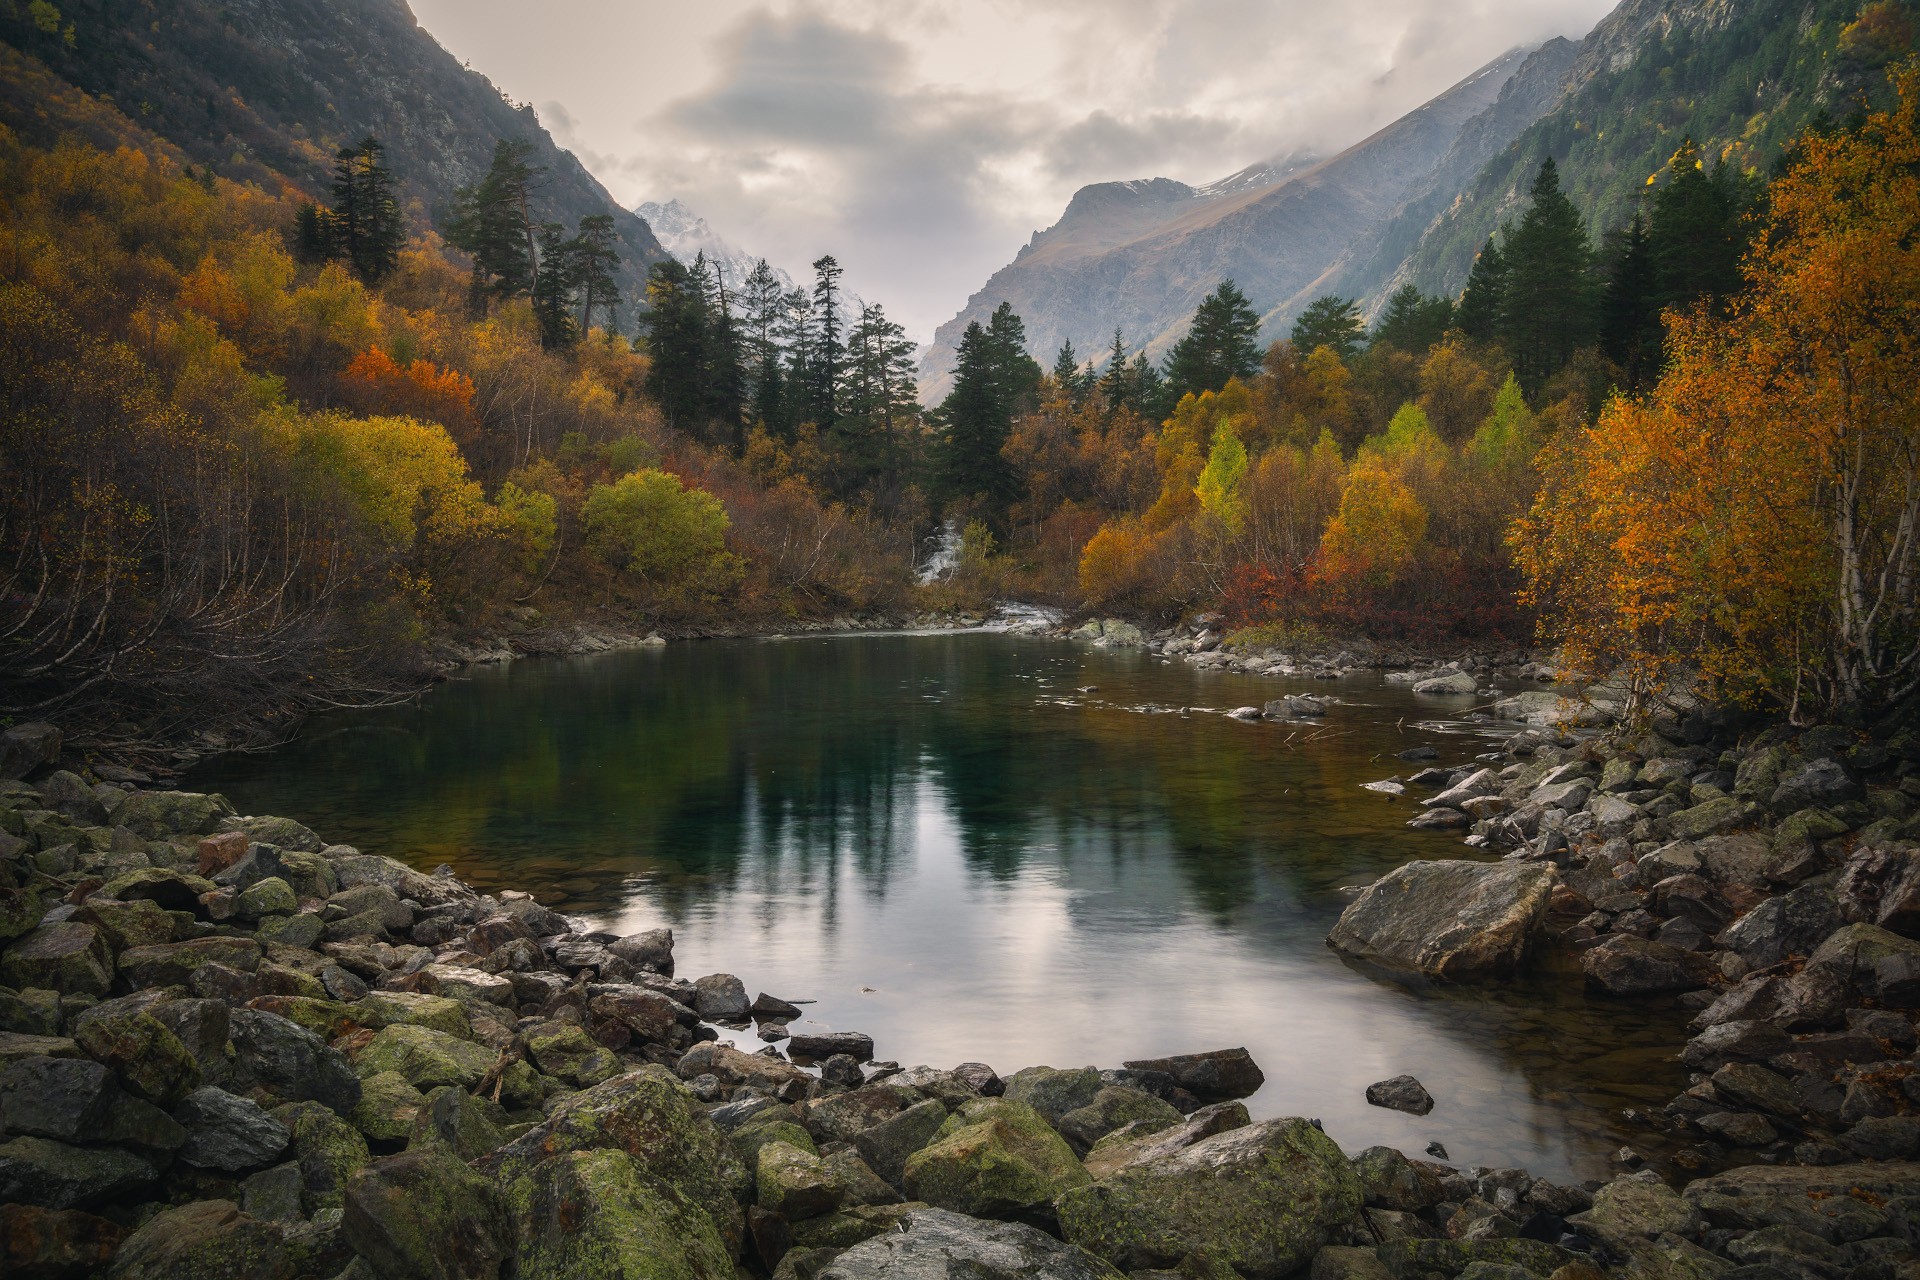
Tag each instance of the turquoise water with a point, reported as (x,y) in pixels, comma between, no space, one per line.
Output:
(943,841)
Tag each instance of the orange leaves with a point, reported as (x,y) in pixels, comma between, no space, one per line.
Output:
(376,383)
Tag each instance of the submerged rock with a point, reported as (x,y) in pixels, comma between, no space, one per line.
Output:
(1449,919)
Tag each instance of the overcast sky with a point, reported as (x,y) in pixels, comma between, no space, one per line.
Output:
(923,143)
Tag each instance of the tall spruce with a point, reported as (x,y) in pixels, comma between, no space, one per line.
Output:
(761,305)
(1478,312)
(994,381)
(1413,322)
(828,348)
(677,344)
(1547,310)
(878,405)
(723,365)
(1220,344)
(364,225)
(554,286)
(1630,333)
(595,259)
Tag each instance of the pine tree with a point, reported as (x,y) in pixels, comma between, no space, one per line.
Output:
(595,259)
(827,348)
(760,318)
(723,365)
(1113,383)
(1066,368)
(312,234)
(1697,235)
(1630,333)
(365,226)
(1329,322)
(492,224)
(1413,322)
(994,381)
(1478,313)
(1219,344)
(1547,305)
(554,287)
(1148,394)
(797,337)
(677,342)
(877,401)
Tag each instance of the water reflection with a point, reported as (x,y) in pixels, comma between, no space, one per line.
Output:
(947,845)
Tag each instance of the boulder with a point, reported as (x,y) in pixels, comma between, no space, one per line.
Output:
(1630,1211)
(1791,923)
(651,949)
(174,964)
(1457,683)
(290,1062)
(283,833)
(1449,919)
(840,1117)
(1122,1149)
(424,1215)
(48,1244)
(457,1121)
(379,1009)
(27,747)
(994,1158)
(54,1175)
(66,956)
(721,995)
(148,1057)
(1219,1075)
(1624,965)
(887,1146)
(388,1107)
(162,815)
(598,1215)
(653,1117)
(1827,1201)
(426,1058)
(227,1132)
(1052,1091)
(794,1183)
(1402,1093)
(932,1244)
(205,1240)
(1816,784)
(1721,813)
(567,1053)
(1262,1199)
(826,1044)
(68,1099)
(1879,964)
(1115,1107)
(326,1151)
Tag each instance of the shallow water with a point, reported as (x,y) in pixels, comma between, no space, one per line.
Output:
(951,843)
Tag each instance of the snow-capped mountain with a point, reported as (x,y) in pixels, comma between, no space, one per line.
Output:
(686,235)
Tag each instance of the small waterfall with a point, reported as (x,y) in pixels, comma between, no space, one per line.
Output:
(944,554)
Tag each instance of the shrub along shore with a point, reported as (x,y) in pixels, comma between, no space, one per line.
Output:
(228,1048)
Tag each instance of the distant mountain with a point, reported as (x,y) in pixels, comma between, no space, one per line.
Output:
(261,88)
(686,235)
(1740,79)
(1140,255)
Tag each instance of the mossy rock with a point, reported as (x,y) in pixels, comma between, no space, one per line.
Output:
(794,1183)
(457,1121)
(1116,1107)
(656,1119)
(328,1151)
(1052,1091)
(771,1126)
(378,1009)
(387,1107)
(425,1214)
(598,1215)
(173,964)
(849,1227)
(325,1018)
(68,957)
(570,1054)
(206,1240)
(162,815)
(140,923)
(149,1058)
(521,1087)
(994,1158)
(427,1058)
(270,897)
(1260,1199)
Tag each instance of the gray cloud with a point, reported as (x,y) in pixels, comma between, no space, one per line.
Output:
(922,142)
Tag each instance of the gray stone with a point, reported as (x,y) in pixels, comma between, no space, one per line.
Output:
(54,1175)
(227,1132)
(933,1244)
(27,747)
(1219,1075)
(1624,965)
(1402,1093)
(1449,919)
(1819,783)
(721,995)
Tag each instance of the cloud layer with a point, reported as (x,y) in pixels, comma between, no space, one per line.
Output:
(922,143)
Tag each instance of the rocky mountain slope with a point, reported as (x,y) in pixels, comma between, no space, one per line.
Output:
(1739,79)
(685,234)
(258,89)
(1140,255)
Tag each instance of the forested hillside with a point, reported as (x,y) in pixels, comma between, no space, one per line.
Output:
(263,89)
(1739,80)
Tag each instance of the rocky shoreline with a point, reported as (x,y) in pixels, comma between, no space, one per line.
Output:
(228,1048)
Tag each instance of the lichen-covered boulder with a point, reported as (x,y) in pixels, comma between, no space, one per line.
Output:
(173,964)
(54,1175)
(771,1126)
(1260,1199)
(565,1052)
(425,1215)
(1126,1147)
(1052,1091)
(793,1183)
(1449,919)
(67,956)
(140,923)
(206,1240)
(887,1146)
(425,1057)
(457,1121)
(598,1215)
(933,1244)
(379,1009)
(327,1151)
(148,1057)
(387,1108)
(657,1120)
(994,1158)
(162,815)
(1112,1108)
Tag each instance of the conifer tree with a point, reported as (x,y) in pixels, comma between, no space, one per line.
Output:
(1113,383)
(1478,313)
(1696,236)
(554,287)
(492,224)
(1413,322)
(312,234)
(1220,344)
(994,381)
(1066,368)
(760,318)
(365,227)
(677,342)
(594,261)
(827,347)
(1329,322)
(1547,307)
(723,365)
(1630,334)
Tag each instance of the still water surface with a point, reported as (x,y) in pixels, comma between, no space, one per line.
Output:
(945,842)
